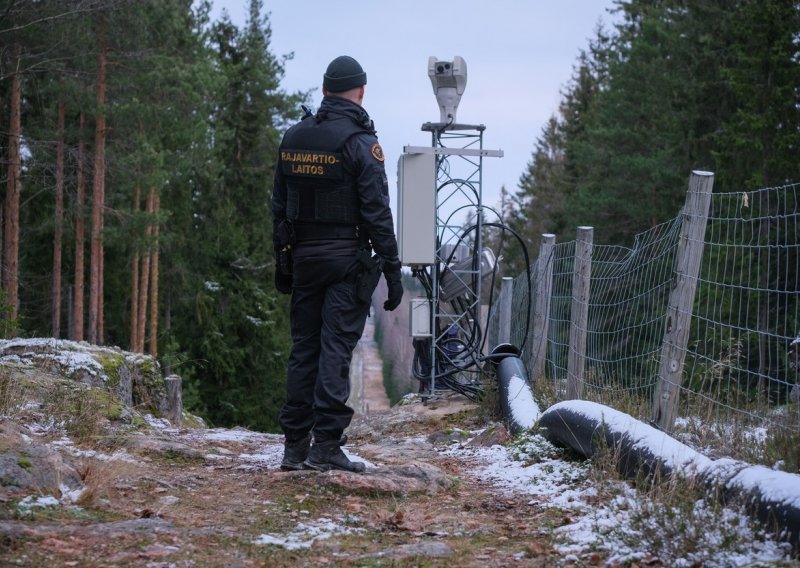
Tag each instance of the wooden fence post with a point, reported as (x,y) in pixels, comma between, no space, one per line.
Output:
(579,317)
(681,299)
(506,293)
(174,399)
(541,308)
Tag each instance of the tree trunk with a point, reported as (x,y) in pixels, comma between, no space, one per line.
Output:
(59,221)
(11,238)
(154,280)
(2,243)
(80,235)
(101,316)
(98,195)
(145,276)
(2,208)
(137,195)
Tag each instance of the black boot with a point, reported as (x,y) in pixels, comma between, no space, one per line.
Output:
(295,453)
(329,455)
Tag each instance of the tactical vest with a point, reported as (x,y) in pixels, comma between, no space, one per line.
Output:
(319,189)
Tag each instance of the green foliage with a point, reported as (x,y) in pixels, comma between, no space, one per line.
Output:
(194,110)
(675,87)
(234,328)
(706,85)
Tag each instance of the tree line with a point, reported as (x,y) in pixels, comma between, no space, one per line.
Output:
(138,142)
(137,148)
(673,86)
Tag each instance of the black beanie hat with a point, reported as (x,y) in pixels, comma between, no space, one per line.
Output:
(343,73)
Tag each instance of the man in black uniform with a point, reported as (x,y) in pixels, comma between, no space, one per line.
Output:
(330,208)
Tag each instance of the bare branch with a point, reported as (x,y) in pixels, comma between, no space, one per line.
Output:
(83,8)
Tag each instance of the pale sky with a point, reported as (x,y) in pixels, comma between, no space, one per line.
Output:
(519,56)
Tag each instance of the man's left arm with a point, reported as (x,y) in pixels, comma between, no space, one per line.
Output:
(376,215)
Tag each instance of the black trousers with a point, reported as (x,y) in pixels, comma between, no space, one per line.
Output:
(327,321)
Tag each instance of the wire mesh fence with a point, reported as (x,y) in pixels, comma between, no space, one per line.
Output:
(741,359)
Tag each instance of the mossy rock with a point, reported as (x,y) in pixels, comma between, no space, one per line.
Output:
(134,379)
(190,420)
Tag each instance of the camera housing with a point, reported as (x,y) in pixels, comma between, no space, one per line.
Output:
(449,79)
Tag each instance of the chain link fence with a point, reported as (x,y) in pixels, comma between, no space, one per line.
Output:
(740,363)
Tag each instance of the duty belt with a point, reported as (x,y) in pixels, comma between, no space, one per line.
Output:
(324,231)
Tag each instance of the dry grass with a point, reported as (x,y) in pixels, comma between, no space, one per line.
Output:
(103,479)
(673,517)
(15,391)
(490,408)
(773,440)
(85,411)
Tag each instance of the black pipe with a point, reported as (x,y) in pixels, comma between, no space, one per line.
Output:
(639,449)
(519,407)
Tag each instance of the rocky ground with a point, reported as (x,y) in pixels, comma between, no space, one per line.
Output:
(215,497)
(159,496)
(156,495)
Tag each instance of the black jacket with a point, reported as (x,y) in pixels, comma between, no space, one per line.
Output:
(348,130)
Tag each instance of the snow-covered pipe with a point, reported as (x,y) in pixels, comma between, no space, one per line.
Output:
(772,496)
(588,427)
(516,398)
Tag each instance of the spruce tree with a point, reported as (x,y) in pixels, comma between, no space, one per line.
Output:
(236,324)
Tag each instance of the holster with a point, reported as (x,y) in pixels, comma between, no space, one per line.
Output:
(286,240)
(368,274)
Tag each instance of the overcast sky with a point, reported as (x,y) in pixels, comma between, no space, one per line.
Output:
(519,56)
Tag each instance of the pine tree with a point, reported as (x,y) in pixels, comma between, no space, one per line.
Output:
(97,248)
(13,188)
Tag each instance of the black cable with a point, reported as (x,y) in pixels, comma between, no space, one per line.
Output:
(421,365)
(527,271)
(475,339)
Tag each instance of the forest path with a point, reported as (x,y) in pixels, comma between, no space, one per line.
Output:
(367,393)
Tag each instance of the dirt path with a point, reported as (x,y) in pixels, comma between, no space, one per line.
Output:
(194,497)
(368,394)
(183,497)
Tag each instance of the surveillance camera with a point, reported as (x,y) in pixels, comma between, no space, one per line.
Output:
(448,78)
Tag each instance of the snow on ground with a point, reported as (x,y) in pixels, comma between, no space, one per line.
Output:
(305,534)
(270,451)
(627,525)
(517,470)
(624,524)
(72,356)
(68,445)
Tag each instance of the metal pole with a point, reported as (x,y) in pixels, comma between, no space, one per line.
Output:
(506,293)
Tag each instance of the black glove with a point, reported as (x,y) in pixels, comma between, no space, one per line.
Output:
(283,282)
(394,282)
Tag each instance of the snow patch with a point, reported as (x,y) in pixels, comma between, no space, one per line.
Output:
(305,534)
(33,501)
(68,446)
(70,495)
(530,467)
(158,423)
(234,435)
